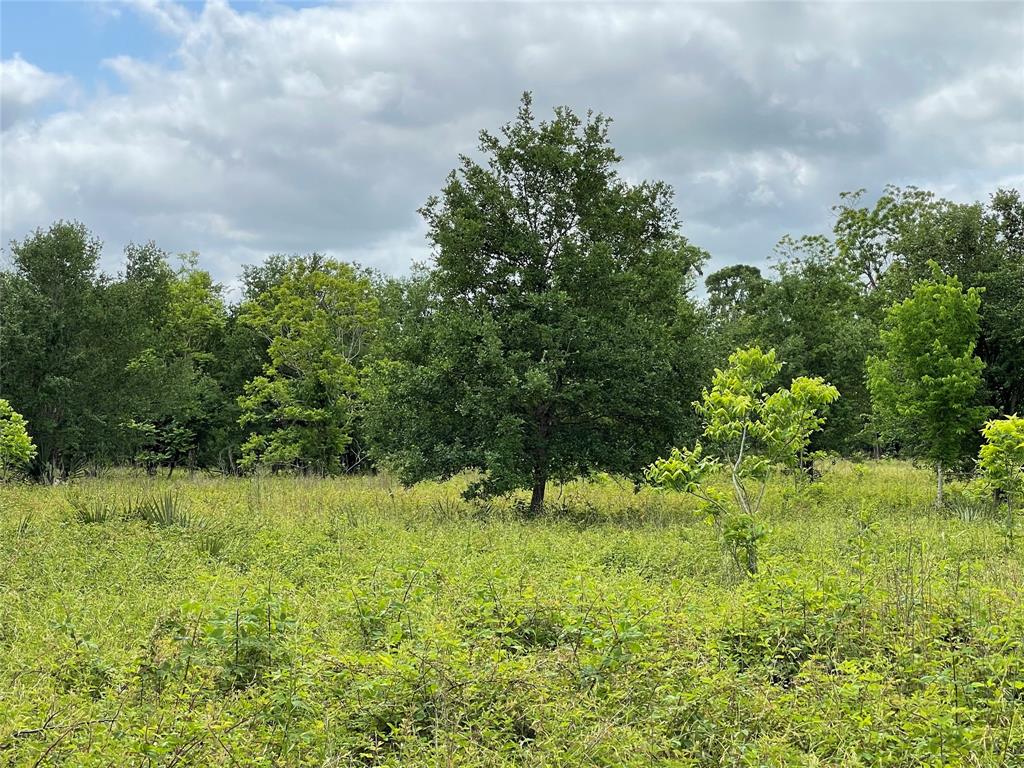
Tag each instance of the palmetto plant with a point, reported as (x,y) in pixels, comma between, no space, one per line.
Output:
(212,541)
(165,511)
(91,511)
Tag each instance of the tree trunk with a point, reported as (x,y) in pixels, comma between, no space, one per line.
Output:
(540,482)
(752,559)
(938,474)
(1009,520)
(542,426)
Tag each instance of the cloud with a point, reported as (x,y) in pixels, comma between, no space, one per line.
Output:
(24,87)
(324,128)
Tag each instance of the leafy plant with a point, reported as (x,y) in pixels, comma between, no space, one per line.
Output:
(16,446)
(1001,461)
(551,270)
(317,319)
(970,505)
(212,541)
(167,511)
(246,641)
(925,384)
(163,444)
(92,510)
(753,433)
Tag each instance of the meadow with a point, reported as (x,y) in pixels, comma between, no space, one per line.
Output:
(285,621)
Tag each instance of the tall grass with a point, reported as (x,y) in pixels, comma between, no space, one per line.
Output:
(292,621)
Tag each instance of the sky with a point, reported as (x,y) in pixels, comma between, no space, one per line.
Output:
(238,130)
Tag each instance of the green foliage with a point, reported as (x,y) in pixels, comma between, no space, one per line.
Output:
(824,308)
(551,272)
(92,511)
(167,511)
(48,341)
(751,432)
(982,245)
(317,318)
(243,643)
(925,385)
(553,337)
(1001,462)
(111,369)
(1001,458)
(163,445)
(16,446)
(875,633)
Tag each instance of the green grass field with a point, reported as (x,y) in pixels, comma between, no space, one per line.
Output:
(284,621)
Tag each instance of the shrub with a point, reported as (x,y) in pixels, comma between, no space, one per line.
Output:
(16,447)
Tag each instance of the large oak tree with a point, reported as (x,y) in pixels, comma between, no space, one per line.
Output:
(551,338)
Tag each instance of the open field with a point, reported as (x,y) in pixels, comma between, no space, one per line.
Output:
(283,621)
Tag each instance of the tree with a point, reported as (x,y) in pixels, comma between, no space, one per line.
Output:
(154,400)
(48,345)
(734,310)
(890,244)
(925,384)
(982,245)
(867,239)
(16,447)
(751,433)
(812,311)
(1003,340)
(1001,460)
(732,291)
(553,336)
(813,314)
(318,319)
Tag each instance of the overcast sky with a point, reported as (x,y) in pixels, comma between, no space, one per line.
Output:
(243,129)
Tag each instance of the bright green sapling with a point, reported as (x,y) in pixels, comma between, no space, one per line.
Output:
(1001,461)
(16,446)
(925,385)
(752,434)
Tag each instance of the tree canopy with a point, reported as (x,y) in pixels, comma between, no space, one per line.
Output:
(925,384)
(553,339)
(555,331)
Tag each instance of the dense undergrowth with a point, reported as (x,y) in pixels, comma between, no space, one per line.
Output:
(283,621)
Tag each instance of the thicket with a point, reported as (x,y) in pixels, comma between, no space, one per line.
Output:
(556,332)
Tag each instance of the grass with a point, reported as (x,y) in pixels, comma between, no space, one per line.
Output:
(287,621)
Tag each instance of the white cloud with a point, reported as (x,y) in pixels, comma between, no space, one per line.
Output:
(24,86)
(325,128)
(168,16)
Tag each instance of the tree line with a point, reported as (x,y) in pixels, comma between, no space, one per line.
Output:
(557,331)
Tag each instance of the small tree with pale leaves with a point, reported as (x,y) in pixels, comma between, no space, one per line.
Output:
(1001,461)
(752,434)
(16,446)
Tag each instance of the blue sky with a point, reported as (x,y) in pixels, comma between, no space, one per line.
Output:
(242,129)
(73,38)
